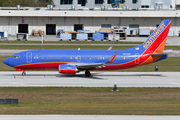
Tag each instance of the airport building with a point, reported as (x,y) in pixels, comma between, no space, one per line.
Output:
(73,15)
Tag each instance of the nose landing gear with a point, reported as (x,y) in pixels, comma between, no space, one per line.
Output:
(23,73)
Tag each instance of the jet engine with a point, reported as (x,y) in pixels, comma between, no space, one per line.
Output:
(67,69)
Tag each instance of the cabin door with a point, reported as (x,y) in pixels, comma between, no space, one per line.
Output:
(137,61)
(29,57)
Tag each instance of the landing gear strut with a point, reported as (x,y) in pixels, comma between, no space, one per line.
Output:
(23,73)
(87,73)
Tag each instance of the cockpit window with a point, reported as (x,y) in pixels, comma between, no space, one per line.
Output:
(15,56)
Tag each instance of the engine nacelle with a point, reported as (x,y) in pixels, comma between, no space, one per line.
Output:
(67,69)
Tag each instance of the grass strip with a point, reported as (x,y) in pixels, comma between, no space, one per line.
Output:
(83,47)
(91,101)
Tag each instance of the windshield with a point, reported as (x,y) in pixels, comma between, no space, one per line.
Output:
(15,56)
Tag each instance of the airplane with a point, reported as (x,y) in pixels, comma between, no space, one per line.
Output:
(74,61)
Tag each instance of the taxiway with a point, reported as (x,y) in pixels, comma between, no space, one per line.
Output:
(98,79)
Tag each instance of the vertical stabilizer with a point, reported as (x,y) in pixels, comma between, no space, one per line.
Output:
(156,42)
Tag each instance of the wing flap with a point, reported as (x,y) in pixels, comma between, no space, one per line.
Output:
(89,66)
(111,60)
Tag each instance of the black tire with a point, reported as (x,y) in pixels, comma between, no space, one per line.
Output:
(23,73)
(87,73)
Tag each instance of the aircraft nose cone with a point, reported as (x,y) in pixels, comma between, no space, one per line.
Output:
(6,61)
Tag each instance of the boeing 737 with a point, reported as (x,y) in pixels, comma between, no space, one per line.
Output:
(74,61)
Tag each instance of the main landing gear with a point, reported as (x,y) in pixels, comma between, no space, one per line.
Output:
(87,73)
(23,73)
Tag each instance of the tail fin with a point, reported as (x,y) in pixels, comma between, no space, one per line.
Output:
(156,42)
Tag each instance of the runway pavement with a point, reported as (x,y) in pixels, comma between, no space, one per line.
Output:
(98,79)
(86,117)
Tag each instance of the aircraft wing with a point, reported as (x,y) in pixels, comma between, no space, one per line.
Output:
(110,48)
(89,66)
(95,65)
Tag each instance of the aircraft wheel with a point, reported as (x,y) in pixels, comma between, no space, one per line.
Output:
(23,73)
(87,73)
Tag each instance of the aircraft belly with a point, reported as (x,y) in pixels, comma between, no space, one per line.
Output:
(39,66)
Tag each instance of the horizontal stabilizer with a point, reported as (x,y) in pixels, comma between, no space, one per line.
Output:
(163,53)
(158,54)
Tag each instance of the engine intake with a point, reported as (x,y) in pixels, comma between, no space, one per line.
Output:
(67,69)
